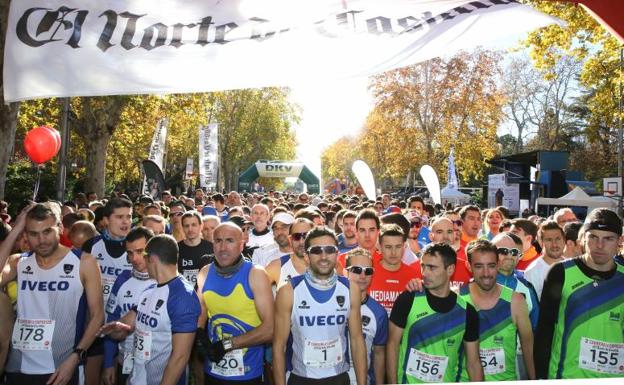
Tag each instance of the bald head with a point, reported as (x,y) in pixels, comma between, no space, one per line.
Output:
(442,231)
(228,243)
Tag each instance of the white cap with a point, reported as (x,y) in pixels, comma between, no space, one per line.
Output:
(285,218)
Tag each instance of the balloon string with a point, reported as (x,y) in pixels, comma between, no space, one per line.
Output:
(36,190)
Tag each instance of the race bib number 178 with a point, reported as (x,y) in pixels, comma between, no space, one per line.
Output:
(33,334)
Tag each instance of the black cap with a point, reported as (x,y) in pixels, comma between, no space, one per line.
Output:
(145,199)
(603,219)
(239,221)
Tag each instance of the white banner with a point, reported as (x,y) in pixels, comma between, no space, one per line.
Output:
(279,169)
(157,149)
(502,194)
(189,169)
(57,48)
(208,156)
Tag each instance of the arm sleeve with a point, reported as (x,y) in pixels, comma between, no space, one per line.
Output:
(551,298)
(184,310)
(381,337)
(88,245)
(401,309)
(472,324)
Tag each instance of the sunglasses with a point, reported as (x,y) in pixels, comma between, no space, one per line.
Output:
(317,250)
(458,222)
(506,251)
(359,269)
(177,214)
(298,236)
(416,224)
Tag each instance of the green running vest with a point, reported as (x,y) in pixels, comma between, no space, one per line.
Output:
(497,339)
(432,343)
(588,338)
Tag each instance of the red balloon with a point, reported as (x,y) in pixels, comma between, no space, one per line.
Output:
(57,138)
(41,144)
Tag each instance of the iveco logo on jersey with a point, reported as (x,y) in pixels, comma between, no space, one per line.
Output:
(146,319)
(322,320)
(45,285)
(110,270)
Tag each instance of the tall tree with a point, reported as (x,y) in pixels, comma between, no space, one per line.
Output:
(425,109)
(253,124)
(338,157)
(583,38)
(8,113)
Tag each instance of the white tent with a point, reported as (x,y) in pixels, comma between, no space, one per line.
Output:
(449,194)
(578,197)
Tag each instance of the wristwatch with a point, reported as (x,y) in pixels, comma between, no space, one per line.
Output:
(82,354)
(227,344)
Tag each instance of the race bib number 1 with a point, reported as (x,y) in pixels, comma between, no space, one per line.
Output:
(142,345)
(231,364)
(33,334)
(322,354)
(426,367)
(492,360)
(601,357)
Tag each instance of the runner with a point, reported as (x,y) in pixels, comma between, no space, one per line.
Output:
(195,252)
(118,356)
(56,287)
(527,232)
(348,240)
(580,333)
(164,321)
(374,317)
(429,329)
(236,302)
(503,314)
(443,231)
(280,228)
(471,224)
(288,266)
(367,226)
(552,239)
(109,250)
(261,234)
(391,274)
(156,223)
(312,313)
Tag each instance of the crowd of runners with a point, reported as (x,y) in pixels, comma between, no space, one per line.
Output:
(278,288)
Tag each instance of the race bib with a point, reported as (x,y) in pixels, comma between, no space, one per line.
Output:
(191,275)
(128,363)
(322,354)
(426,367)
(33,334)
(107,285)
(492,360)
(601,357)
(230,365)
(142,345)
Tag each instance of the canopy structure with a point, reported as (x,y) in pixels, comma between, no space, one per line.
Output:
(454,196)
(278,169)
(578,197)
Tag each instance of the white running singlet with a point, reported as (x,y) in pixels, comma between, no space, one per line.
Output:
(319,322)
(51,312)
(110,267)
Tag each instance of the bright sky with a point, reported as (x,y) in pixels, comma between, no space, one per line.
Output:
(329,112)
